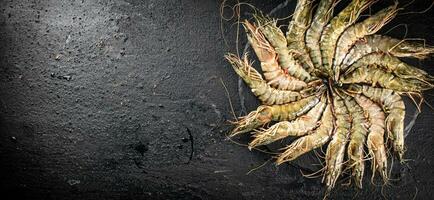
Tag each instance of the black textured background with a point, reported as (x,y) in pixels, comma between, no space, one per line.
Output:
(97,97)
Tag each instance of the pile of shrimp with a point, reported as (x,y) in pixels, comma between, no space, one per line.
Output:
(331,80)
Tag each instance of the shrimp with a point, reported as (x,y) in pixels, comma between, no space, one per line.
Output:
(300,22)
(355,32)
(375,76)
(265,114)
(265,93)
(384,44)
(336,27)
(277,39)
(319,137)
(375,141)
(322,16)
(301,19)
(336,148)
(392,65)
(359,130)
(273,73)
(395,126)
(298,127)
(393,105)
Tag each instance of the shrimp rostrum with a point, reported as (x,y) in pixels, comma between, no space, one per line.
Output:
(332,80)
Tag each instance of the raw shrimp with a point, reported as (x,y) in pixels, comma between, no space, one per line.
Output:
(384,44)
(375,141)
(359,130)
(265,114)
(260,88)
(336,27)
(298,127)
(375,76)
(273,73)
(277,39)
(393,105)
(336,148)
(392,65)
(307,143)
(301,19)
(355,32)
(322,16)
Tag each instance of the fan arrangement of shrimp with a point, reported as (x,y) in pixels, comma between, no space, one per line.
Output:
(331,80)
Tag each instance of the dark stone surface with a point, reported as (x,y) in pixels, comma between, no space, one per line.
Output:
(123,100)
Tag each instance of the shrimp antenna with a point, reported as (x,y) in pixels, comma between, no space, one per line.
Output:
(405,26)
(245,145)
(229,99)
(258,167)
(409,3)
(223,18)
(418,105)
(429,105)
(415,194)
(235,10)
(313,175)
(318,155)
(419,12)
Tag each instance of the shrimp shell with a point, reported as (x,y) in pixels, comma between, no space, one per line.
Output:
(298,127)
